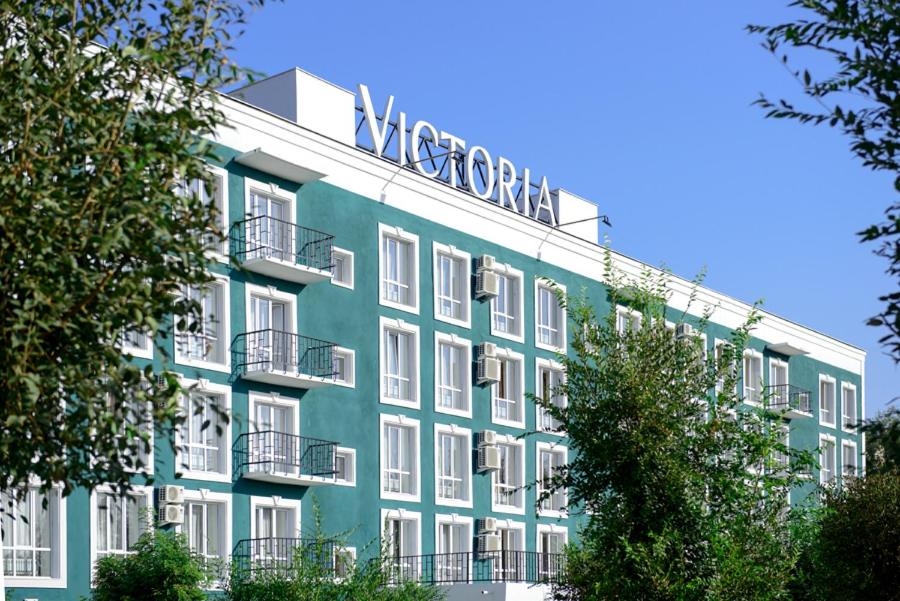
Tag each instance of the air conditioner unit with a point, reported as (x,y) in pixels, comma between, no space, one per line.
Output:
(171,514)
(486,349)
(487,525)
(488,370)
(486,263)
(486,438)
(170,494)
(488,459)
(684,330)
(487,283)
(489,543)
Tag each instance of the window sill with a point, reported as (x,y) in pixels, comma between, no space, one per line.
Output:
(466,413)
(199,364)
(347,483)
(414,309)
(399,402)
(204,476)
(396,496)
(453,502)
(344,384)
(560,350)
(508,423)
(507,336)
(552,513)
(26,582)
(507,509)
(462,323)
(343,284)
(831,425)
(138,353)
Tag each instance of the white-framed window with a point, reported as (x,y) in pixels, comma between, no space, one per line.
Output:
(782,459)
(204,439)
(398,268)
(508,395)
(270,227)
(508,490)
(512,538)
(34,543)
(849,460)
(138,344)
(399,363)
(849,416)
(401,531)
(345,466)
(274,424)
(628,320)
(344,561)
(452,465)
(214,193)
(344,365)
(271,519)
(399,458)
(551,458)
(549,317)
(827,459)
(753,377)
(778,383)
(722,349)
(452,375)
(204,340)
(117,521)
(453,541)
(549,378)
(452,283)
(270,327)
(207,525)
(551,544)
(827,387)
(343,268)
(138,416)
(508,307)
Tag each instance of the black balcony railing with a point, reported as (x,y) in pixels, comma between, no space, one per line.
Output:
(783,397)
(274,350)
(271,452)
(493,566)
(285,556)
(266,237)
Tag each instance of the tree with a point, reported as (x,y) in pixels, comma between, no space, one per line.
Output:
(883,442)
(859,37)
(684,489)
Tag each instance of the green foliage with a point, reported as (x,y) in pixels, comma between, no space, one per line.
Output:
(684,496)
(163,568)
(883,442)
(94,239)
(861,97)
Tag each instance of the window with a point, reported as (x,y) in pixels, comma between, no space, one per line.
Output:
(399,458)
(849,461)
(344,365)
(213,193)
(551,545)
(627,320)
(270,228)
(453,539)
(452,279)
(826,400)
(509,480)
(452,375)
(550,459)
(510,563)
(343,268)
(273,445)
(119,520)
(272,521)
(270,330)
(402,534)
(138,344)
(778,380)
(781,459)
(345,467)
(33,543)
(344,561)
(826,459)
(752,377)
(507,308)
(136,418)
(399,363)
(508,393)
(723,352)
(848,407)
(453,456)
(550,317)
(203,339)
(399,268)
(204,449)
(207,524)
(549,379)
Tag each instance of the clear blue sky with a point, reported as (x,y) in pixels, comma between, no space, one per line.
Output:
(642,107)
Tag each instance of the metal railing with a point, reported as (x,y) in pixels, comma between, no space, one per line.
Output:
(787,396)
(266,237)
(271,452)
(491,566)
(274,350)
(279,555)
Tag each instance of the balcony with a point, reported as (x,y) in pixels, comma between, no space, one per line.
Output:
(281,555)
(282,458)
(284,359)
(493,566)
(790,400)
(283,250)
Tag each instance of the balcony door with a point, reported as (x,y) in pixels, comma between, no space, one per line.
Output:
(510,565)
(778,374)
(275,532)
(269,233)
(551,548)
(454,543)
(271,344)
(275,446)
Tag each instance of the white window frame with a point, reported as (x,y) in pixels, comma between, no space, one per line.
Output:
(349,459)
(834,408)
(275,502)
(225,324)
(139,352)
(541,364)
(549,529)
(204,495)
(465,434)
(548,447)
(717,344)
(627,312)
(465,275)
(349,262)
(349,356)
(497,507)
(148,425)
(273,398)
(453,569)
(272,190)
(516,274)
(136,490)
(510,355)
(849,444)
(205,386)
(343,550)
(273,294)
(221,254)
(756,356)
(516,560)
(405,515)
(845,386)
(59,546)
(823,440)
(415,371)
(465,362)
(412,239)
(562,316)
(416,456)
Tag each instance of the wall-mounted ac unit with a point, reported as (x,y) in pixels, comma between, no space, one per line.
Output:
(486,438)
(488,370)
(487,525)
(486,349)
(684,330)
(487,283)
(489,543)
(488,459)
(170,494)
(171,514)
(485,263)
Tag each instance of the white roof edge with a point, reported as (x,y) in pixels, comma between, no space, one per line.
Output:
(578,196)
(274,75)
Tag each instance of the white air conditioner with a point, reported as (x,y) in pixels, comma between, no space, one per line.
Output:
(487,283)
(486,438)
(488,370)
(487,525)
(486,263)
(171,514)
(170,494)
(489,543)
(488,459)
(684,330)
(486,349)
